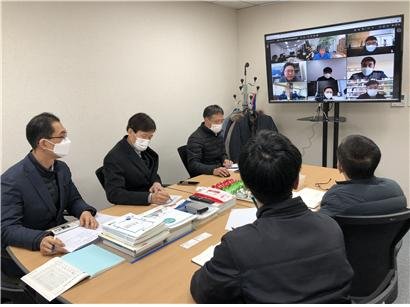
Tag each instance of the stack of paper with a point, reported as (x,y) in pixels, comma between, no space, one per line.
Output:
(240,217)
(60,274)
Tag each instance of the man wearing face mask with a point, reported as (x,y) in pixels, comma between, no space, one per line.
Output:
(372,91)
(206,148)
(36,191)
(368,73)
(131,167)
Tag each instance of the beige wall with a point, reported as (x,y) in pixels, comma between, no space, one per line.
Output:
(387,126)
(96,64)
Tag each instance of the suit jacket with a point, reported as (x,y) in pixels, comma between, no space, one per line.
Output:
(288,255)
(27,209)
(127,178)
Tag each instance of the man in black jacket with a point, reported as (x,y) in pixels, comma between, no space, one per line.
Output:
(206,148)
(130,168)
(289,254)
(362,193)
(36,191)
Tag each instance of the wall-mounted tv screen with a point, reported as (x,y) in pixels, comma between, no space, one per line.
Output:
(359,61)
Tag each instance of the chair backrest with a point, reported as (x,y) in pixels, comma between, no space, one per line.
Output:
(370,246)
(100,175)
(182,151)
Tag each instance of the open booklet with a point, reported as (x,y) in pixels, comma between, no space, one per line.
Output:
(61,273)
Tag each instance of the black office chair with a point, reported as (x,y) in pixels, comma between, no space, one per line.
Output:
(371,250)
(13,290)
(100,175)
(182,151)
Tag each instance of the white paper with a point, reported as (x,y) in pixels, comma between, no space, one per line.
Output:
(53,278)
(173,199)
(311,197)
(240,217)
(233,167)
(205,256)
(196,240)
(80,236)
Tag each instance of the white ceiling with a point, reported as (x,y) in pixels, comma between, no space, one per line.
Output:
(242,4)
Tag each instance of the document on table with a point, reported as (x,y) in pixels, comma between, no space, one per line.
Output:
(80,236)
(240,217)
(205,256)
(173,199)
(53,278)
(311,197)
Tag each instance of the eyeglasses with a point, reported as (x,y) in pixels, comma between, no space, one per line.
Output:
(319,184)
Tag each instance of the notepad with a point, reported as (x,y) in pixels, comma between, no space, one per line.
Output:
(61,273)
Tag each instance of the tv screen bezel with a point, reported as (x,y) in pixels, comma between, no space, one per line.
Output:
(398,58)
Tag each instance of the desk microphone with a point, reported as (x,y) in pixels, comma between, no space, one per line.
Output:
(246,66)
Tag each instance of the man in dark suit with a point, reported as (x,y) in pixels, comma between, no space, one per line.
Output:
(361,193)
(36,191)
(131,167)
(289,254)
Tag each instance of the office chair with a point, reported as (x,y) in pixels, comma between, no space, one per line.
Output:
(182,151)
(371,250)
(100,175)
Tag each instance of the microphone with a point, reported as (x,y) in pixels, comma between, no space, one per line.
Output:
(246,66)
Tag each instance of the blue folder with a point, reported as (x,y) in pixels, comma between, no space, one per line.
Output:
(93,259)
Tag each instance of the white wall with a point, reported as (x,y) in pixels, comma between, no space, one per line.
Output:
(388,127)
(96,64)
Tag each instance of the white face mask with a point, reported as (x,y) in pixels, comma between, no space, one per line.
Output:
(372,92)
(141,144)
(371,48)
(327,76)
(367,71)
(328,95)
(61,149)
(216,128)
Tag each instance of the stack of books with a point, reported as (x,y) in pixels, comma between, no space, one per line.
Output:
(221,199)
(134,234)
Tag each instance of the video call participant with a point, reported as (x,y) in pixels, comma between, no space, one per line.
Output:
(362,193)
(372,91)
(131,166)
(322,54)
(327,75)
(36,191)
(206,148)
(328,93)
(289,254)
(289,73)
(370,44)
(368,73)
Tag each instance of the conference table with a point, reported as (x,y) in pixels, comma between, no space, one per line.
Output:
(163,276)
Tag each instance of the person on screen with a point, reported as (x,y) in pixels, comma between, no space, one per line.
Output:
(282,58)
(328,93)
(271,259)
(289,73)
(36,191)
(206,152)
(370,44)
(283,96)
(322,54)
(372,91)
(362,193)
(368,73)
(327,75)
(131,167)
